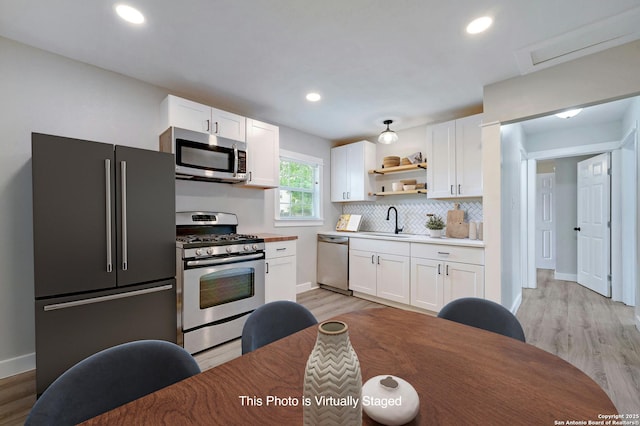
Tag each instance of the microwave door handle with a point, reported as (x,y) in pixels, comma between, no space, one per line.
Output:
(235,160)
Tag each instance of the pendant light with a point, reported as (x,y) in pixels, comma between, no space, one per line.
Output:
(388,136)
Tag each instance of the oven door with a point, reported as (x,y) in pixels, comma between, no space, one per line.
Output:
(218,292)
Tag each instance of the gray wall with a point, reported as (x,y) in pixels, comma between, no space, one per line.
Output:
(43,92)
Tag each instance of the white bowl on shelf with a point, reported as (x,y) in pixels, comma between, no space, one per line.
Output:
(397,186)
(408,187)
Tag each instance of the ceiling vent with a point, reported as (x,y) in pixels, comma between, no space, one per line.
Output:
(592,38)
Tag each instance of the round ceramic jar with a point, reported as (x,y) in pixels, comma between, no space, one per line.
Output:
(390,400)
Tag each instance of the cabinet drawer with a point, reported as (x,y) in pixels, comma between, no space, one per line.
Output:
(280,249)
(380,246)
(473,255)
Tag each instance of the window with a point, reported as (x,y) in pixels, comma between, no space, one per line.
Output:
(298,199)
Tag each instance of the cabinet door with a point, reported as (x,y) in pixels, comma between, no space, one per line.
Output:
(145,210)
(355,172)
(426,284)
(339,180)
(469,157)
(280,282)
(73,185)
(441,160)
(228,125)
(462,280)
(362,271)
(263,154)
(393,277)
(188,114)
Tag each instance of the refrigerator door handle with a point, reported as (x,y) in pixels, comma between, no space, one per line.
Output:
(101,299)
(107,190)
(123,175)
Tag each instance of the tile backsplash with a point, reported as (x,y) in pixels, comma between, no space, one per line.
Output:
(412,214)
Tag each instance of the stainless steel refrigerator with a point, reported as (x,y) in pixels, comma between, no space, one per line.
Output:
(104,249)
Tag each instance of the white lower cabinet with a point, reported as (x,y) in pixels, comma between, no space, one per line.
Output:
(440,274)
(280,271)
(380,268)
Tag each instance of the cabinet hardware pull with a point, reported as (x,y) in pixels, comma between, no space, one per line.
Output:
(459,190)
(100,299)
(447,270)
(217,129)
(208,125)
(444,253)
(372,256)
(348,195)
(439,273)
(123,176)
(344,195)
(378,260)
(451,190)
(281,249)
(107,190)
(267,266)
(576,229)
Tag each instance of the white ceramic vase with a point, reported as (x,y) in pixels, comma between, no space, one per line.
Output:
(332,381)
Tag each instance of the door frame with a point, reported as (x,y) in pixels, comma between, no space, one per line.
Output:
(529,229)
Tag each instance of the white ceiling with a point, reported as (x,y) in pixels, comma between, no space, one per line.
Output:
(407,60)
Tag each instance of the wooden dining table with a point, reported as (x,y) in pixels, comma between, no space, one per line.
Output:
(463,376)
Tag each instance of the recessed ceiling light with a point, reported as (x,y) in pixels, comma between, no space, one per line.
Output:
(479,25)
(569,114)
(313,97)
(129,14)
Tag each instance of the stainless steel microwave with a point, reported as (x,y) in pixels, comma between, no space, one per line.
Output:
(201,156)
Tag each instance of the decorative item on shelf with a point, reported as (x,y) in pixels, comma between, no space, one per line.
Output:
(408,181)
(472,230)
(408,187)
(390,161)
(396,186)
(415,158)
(421,185)
(435,225)
(402,400)
(405,161)
(332,374)
(480,231)
(388,136)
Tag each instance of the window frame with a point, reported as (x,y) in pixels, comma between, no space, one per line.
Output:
(317,220)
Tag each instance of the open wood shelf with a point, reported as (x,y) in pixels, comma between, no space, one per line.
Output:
(397,169)
(415,191)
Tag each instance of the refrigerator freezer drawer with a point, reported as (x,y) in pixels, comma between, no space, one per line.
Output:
(69,329)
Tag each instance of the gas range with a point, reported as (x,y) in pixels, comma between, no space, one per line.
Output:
(220,278)
(205,234)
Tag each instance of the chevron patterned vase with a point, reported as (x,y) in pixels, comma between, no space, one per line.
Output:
(332,381)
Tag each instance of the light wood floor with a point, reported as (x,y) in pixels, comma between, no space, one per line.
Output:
(596,335)
(590,331)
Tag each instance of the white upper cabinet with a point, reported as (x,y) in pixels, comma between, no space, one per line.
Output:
(179,112)
(263,154)
(350,165)
(455,158)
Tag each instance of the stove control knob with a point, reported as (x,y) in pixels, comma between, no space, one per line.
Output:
(255,247)
(210,251)
(229,249)
(198,252)
(247,248)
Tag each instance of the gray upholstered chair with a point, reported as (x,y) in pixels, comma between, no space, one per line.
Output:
(274,321)
(485,314)
(111,378)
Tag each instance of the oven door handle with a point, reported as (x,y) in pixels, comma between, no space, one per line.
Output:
(207,262)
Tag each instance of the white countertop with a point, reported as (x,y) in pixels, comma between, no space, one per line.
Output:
(409,238)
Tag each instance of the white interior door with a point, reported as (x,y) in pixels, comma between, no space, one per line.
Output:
(594,200)
(545,221)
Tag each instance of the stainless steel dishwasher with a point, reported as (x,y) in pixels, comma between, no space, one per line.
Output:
(333,263)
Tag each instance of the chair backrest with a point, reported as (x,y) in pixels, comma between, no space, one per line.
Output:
(111,378)
(274,321)
(485,314)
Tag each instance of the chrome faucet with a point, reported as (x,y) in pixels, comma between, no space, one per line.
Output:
(396,230)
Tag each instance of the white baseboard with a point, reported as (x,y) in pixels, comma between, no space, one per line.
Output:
(12,366)
(516,304)
(565,277)
(301,288)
